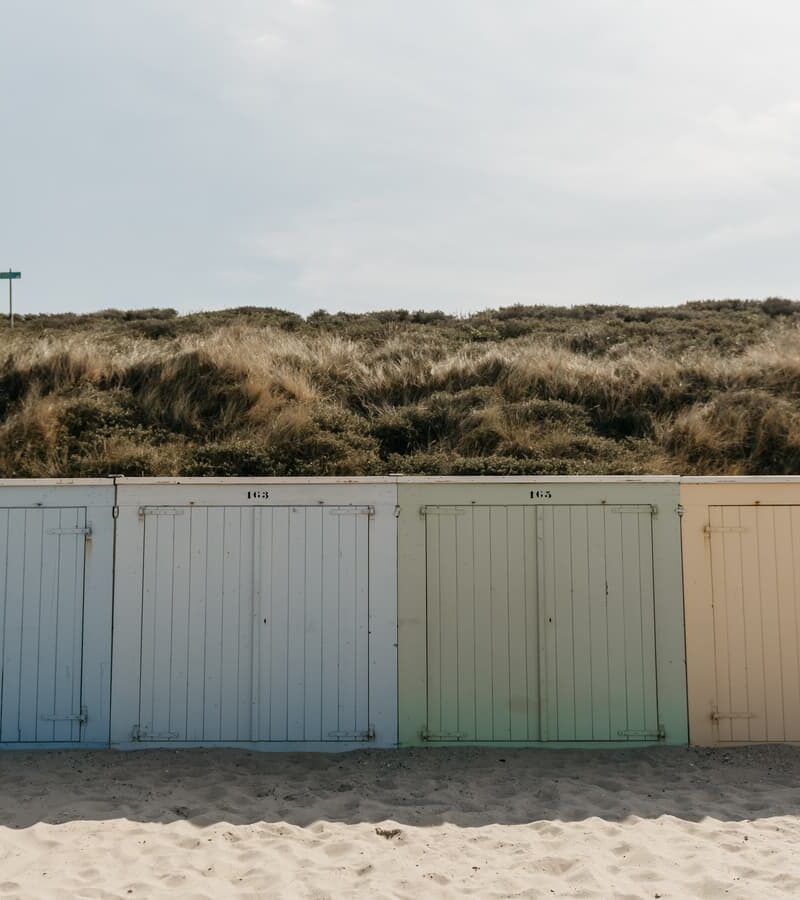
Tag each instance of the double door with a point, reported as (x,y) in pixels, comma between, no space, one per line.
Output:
(254,624)
(540,623)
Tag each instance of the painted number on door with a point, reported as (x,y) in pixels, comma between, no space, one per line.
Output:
(541,495)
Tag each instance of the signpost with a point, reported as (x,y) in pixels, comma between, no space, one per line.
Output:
(10,276)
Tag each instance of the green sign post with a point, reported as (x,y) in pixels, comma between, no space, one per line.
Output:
(10,276)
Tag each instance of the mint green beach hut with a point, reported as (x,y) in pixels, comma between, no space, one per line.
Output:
(540,611)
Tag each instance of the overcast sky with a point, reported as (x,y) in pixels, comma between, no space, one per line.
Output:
(359,154)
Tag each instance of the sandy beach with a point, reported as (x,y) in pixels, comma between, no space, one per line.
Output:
(435,823)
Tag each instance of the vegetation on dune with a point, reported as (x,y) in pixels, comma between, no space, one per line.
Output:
(711,387)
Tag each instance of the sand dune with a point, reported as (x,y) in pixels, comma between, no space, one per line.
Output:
(462,822)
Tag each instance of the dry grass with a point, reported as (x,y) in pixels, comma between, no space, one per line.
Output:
(703,388)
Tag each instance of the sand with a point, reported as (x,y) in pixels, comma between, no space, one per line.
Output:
(420,823)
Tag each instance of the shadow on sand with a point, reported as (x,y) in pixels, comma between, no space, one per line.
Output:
(466,787)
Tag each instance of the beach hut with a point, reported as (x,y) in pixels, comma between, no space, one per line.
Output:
(255,611)
(56,562)
(540,611)
(741,551)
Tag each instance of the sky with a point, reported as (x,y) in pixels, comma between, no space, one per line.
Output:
(384,154)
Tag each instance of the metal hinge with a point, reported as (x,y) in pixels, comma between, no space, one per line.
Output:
(353,511)
(139,733)
(82,717)
(648,508)
(716,716)
(161,511)
(368,735)
(85,530)
(442,511)
(659,735)
(680,509)
(427,735)
(114,512)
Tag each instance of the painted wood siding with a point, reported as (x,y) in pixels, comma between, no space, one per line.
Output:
(255,624)
(755,578)
(42,592)
(540,623)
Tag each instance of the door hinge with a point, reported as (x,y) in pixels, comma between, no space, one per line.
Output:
(353,511)
(114,512)
(442,511)
(82,717)
(659,735)
(716,716)
(85,530)
(646,508)
(368,735)
(428,735)
(680,509)
(161,511)
(143,733)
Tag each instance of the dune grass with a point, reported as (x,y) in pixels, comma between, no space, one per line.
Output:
(708,387)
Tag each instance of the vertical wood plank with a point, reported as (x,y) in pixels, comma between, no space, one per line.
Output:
(257,624)
(727,609)
(198,599)
(501,714)
(632,606)
(78,516)
(770,619)
(296,661)
(466,616)
(448,609)
(267,538)
(753,626)
(517,650)
(787,621)
(647,605)
(212,661)
(31,620)
(581,622)
(148,637)
(434,618)
(484,688)
(331,581)
(15,593)
(615,598)
(531,623)
(731,634)
(791,601)
(244,642)
(362,622)
(4,597)
(231,591)
(598,623)
(548,657)
(563,623)
(347,624)
(180,625)
(48,630)
(312,676)
(162,630)
(279,625)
